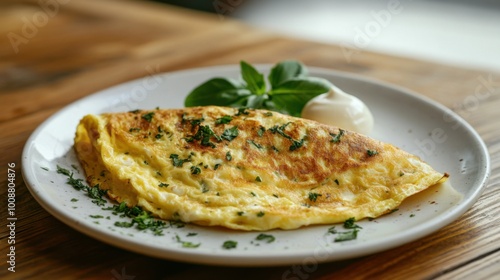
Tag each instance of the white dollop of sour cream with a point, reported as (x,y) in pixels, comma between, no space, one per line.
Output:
(340,109)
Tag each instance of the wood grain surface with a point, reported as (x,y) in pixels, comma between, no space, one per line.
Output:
(53,55)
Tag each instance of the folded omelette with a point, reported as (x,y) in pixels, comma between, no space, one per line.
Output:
(245,169)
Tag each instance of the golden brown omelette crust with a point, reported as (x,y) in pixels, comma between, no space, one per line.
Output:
(293,157)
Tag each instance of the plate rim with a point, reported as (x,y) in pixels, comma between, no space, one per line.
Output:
(234,259)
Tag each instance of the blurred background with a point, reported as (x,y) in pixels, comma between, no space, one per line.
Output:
(456,32)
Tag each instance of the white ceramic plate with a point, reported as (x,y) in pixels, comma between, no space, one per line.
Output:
(405,119)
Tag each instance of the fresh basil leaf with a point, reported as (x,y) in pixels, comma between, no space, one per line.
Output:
(257,101)
(285,71)
(291,96)
(218,91)
(255,80)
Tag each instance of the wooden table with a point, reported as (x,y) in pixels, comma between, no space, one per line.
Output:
(55,52)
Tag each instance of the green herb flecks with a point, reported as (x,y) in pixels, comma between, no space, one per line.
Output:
(313,196)
(229,244)
(336,137)
(266,237)
(224,120)
(230,133)
(371,152)
(204,134)
(229,157)
(280,129)
(346,235)
(195,170)
(148,116)
(256,145)
(141,219)
(242,111)
(178,162)
(93,192)
(186,244)
(350,223)
(261,131)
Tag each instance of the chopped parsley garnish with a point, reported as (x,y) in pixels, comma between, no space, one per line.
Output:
(96,194)
(195,122)
(195,170)
(230,244)
(229,157)
(186,244)
(140,218)
(96,216)
(350,223)
(64,171)
(281,131)
(336,137)
(261,131)
(346,235)
(371,152)
(313,196)
(74,200)
(230,133)
(337,182)
(93,192)
(178,162)
(224,120)
(260,214)
(216,166)
(148,117)
(134,129)
(204,134)
(267,237)
(257,145)
(296,144)
(258,179)
(162,185)
(45,168)
(242,111)
(240,213)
